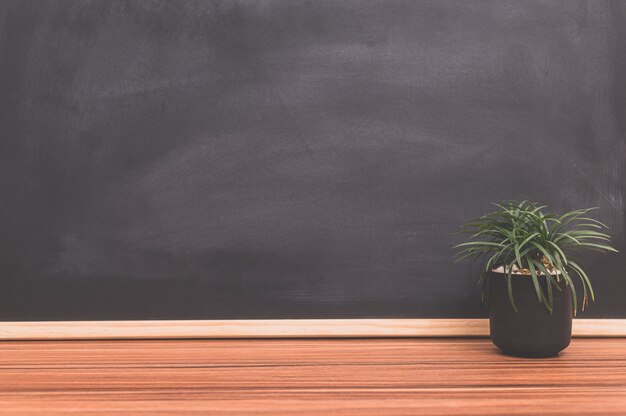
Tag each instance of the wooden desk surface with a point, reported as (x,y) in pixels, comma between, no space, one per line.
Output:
(350,376)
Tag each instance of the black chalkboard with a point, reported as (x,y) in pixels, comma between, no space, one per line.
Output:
(294,159)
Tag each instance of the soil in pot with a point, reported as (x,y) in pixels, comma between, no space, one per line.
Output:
(532,331)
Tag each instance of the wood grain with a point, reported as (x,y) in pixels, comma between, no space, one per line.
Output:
(277,328)
(314,376)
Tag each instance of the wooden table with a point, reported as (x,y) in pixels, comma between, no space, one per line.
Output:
(350,376)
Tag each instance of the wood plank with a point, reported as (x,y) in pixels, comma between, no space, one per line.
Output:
(284,328)
(308,376)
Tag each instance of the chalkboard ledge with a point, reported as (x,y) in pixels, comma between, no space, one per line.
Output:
(281,328)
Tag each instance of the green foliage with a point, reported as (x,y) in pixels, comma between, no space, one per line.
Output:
(521,238)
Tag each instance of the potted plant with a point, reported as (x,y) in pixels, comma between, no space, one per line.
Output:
(528,277)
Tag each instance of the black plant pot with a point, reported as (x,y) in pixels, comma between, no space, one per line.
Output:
(532,331)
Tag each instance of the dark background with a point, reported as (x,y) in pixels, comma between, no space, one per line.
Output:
(294,159)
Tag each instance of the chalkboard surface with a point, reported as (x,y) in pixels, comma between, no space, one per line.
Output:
(294,159)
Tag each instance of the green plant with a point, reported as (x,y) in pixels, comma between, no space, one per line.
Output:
(521,238)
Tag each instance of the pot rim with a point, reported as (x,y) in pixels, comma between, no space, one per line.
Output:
(500,270)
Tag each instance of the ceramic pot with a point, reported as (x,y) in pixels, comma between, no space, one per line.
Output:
(532,331)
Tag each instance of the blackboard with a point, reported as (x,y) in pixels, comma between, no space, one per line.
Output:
(294,159)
